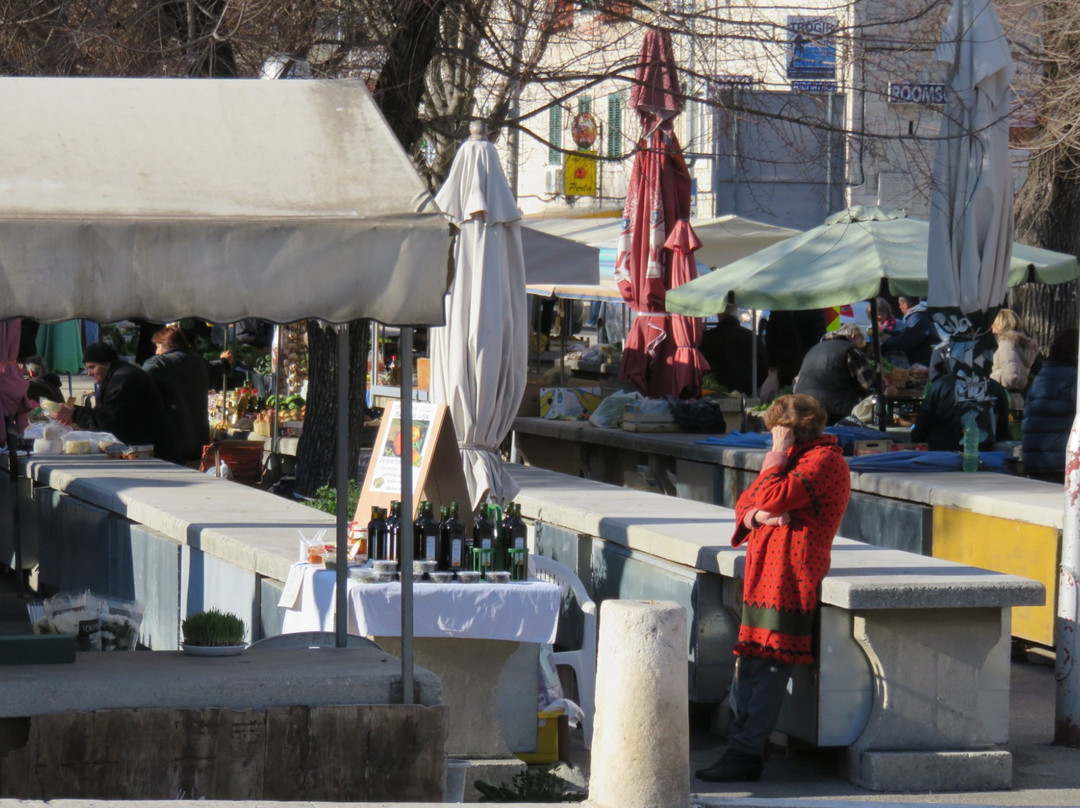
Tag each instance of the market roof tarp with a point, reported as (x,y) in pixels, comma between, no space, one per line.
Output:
(724,239)
(844,260)
(221,199)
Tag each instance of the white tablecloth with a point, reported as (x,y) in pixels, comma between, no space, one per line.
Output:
(520,611)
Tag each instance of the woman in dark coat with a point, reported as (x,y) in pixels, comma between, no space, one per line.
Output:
(1050,409)
(787,518)
(183,381)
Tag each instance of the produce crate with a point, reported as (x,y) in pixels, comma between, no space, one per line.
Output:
(867,447)
(243,457)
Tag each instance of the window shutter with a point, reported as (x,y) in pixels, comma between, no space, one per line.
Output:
(614,125)
(555,127)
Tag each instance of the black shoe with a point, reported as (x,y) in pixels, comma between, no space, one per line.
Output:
(733,767)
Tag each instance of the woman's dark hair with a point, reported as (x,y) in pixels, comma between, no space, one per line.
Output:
(1064,347)
(800,412)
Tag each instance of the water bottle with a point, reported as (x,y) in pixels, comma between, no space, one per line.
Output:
(970,452)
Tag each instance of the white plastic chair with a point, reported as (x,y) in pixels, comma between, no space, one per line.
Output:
(582,660)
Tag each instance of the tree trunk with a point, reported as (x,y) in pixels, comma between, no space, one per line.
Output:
(317,450)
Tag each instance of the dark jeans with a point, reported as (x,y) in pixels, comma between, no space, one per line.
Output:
(757,694)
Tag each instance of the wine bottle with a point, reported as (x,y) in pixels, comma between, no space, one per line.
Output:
(456,548)
(376,531)
(426,534)
(483,538)
(393,531)
(515,535)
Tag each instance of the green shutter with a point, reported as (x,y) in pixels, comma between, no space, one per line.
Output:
(555,135)
(614,125)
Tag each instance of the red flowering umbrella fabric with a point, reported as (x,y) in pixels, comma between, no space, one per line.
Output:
(656,245)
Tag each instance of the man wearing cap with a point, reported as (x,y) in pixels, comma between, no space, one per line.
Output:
(128,402)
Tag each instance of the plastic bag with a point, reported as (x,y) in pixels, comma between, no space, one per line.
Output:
(77,613)
(609,413)
(120,625)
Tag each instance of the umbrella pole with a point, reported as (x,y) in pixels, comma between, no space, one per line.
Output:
(341,474)
(753,354)
(405,534)
(879,408)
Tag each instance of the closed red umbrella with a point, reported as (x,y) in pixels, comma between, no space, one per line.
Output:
(655,251)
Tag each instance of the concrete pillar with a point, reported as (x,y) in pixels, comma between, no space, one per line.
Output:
(641,740)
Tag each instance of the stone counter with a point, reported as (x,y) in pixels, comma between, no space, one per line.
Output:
(913,652)
(163,725)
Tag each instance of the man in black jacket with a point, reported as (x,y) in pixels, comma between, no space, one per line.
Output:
(128,403)
(183,381)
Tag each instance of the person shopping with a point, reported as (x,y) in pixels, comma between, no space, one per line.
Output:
(1015,356)
(836,372)
(787,519)
(183,381)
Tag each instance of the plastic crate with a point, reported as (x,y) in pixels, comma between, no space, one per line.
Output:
(547,737)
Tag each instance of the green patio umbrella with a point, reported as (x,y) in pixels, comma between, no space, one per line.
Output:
(844,260)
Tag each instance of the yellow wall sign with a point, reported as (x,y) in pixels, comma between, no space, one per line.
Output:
(580,174)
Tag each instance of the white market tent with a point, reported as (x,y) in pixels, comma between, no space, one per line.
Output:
(220,199)
(723,240)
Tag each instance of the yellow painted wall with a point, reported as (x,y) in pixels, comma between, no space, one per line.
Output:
(1005,545)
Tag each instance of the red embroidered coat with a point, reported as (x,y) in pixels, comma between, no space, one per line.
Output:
(785,564)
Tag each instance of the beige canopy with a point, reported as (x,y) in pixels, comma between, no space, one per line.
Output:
(221,199)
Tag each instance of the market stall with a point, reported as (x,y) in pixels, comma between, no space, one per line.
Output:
(150,199)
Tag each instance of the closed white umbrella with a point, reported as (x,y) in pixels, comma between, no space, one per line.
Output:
(479,357)
(971,216)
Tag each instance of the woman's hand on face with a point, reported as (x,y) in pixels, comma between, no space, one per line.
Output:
(783,438)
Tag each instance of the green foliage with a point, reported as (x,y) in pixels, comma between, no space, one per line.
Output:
(213,628)
(530,786)
(326,498)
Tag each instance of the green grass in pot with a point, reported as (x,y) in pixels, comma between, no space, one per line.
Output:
(213,628)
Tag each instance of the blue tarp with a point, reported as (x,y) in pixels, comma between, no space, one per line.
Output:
(923,461)
(847,435)
(909,461)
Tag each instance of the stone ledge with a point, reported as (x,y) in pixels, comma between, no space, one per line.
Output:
(976,770)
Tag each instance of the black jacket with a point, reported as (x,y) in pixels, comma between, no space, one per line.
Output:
(129,406)
(825,376)
(181,378)
(939,421)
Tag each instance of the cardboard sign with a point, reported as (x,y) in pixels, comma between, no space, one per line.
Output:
(436,461)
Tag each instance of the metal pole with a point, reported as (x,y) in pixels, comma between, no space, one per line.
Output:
(341,473)
(753,354)
(405,533)
(1066,641)
(13,473)
(880,409)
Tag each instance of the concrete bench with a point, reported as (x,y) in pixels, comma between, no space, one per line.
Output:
(913,671)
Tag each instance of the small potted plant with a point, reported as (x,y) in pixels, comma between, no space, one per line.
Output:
(213,633)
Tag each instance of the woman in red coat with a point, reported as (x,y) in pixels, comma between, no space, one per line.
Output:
(787,518)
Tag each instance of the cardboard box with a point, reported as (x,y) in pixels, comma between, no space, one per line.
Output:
(910,447)
(569,403)
(634,420)
(867,447)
